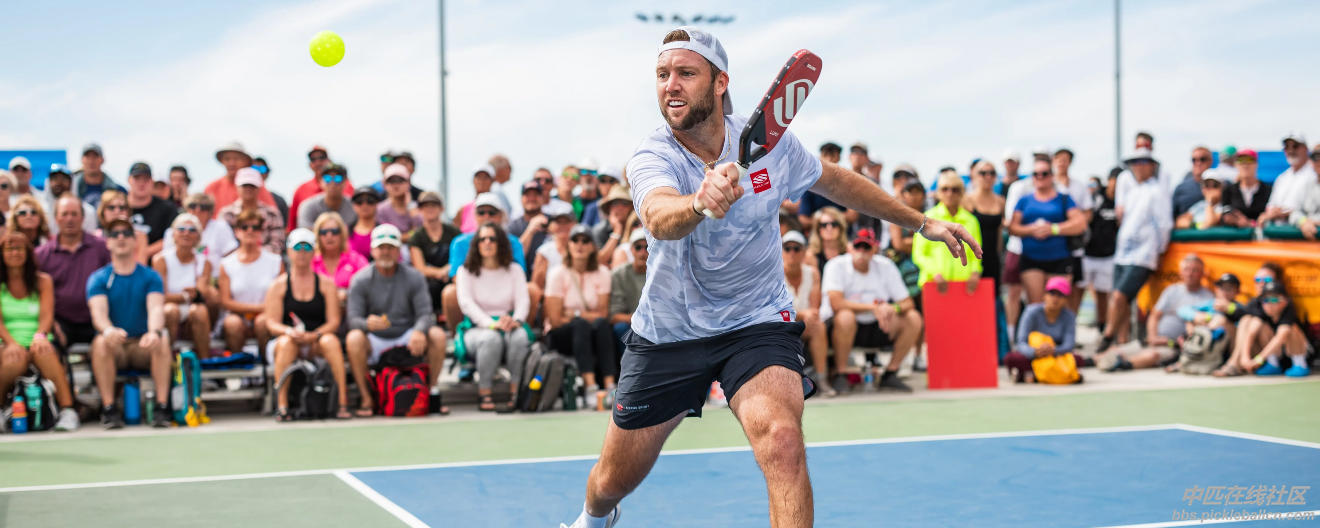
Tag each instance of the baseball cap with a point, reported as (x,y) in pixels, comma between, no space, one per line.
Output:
(431,197)
(139,169)
(117,223)
(315,149)
(92,147)
(404,155)
(59,168)
(1295,136)
(1229,278)
(1248,153)
(1216,175)
(1141,154)
(557,209)
(396,169)
(1010,154)
(707,46)
(385,234)
(858,147)
(587,165)
(484,167)
(1273,288)
(637,234)
(866,236)
(914,186)
(794,236)
(303,234)
(612,171)
(909,169)
(581,230)
(1058,285)
(20,161)
(248,176)
(488,198)
(1230,151)
(531,186)
(365,190)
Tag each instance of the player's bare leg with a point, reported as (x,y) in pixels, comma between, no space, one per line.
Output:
(625,460)
(769,406)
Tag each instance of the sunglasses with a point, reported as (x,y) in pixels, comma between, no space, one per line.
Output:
(1271,300)
(1248,159)
(862,246)
(121,233)
(637,224)
(250,227)
(317,158)
(544,181)
(1040,175)
(639,246)
(488,212)
(335,231)
(1211,184)
(4,186)
(25,212)
(1141,162)
(951,189)
(199,207)
(186,229)
(608,179)
(261,169)
(116,208)
(365,200)
(1265,279)
(582,240)
(587,172)
(485,239)
(302,246)
(1201,159)
(568,174)
(385,158)
(986,173)
(832,225)
(335,178)
(1315,156)
(793,248)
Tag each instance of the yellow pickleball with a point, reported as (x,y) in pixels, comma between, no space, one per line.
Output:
(327,48)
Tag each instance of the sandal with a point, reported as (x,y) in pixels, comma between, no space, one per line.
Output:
(1229,370)
(364,412)
(282,414)
(343,413)
(487,404)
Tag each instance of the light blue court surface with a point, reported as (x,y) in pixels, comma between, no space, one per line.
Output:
(1078,480)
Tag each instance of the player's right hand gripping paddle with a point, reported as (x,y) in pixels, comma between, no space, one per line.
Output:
(777,109)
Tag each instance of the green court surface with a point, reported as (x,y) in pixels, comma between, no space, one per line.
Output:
(54,481)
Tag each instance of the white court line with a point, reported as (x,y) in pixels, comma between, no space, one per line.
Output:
(1247,436)
(932,438)
(1172,524)
(380,500)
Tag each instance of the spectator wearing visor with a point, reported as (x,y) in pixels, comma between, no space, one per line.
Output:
(250,187)
(263,168)
(365,202)
(225,189)
(1247,196)
(90,182)
(467,220)
(803,282)
(397,208)
(336,198)
(318,159)
(58,182)
(160,188)
(594,214)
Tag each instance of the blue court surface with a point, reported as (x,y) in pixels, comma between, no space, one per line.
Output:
(1081,479)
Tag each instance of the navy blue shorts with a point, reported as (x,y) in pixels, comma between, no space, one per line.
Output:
(1129,279)
(660,381)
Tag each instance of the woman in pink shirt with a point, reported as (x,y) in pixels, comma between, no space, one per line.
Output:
(492,292)
(333,253)
(577,299)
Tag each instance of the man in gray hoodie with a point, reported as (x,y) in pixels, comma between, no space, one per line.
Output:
(389,306)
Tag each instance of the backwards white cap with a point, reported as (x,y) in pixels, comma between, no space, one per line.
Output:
(707,46)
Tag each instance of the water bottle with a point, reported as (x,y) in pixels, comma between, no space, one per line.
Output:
(18,423)
(434,403)
(34,402)
(132,403)
(150,398)
(868,377)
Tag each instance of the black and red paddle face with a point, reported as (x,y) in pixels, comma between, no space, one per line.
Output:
(781,103)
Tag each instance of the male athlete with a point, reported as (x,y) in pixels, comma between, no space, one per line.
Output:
(714,306)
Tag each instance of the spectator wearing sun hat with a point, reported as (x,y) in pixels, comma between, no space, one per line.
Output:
(224,190)
(1247,196)
(482,178)
(90,182)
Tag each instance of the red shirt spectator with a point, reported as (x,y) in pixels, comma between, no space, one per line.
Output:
(223,190)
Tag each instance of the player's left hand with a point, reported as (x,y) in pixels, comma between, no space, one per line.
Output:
(951,234)
(720,189)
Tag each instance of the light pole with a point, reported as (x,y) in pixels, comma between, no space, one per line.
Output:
(444,114)
(1118,89)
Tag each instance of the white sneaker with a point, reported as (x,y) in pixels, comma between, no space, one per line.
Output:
(592,396)
(68,420)
(610,520)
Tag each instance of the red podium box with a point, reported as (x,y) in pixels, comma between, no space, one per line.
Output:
(960,336)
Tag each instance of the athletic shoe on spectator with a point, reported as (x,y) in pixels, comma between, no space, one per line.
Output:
(889,381)
(1269,369)
(1297,371)
(111,417)
(68,420)
(161,416)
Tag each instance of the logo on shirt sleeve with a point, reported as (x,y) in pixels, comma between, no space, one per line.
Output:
(760,181)
(787,316)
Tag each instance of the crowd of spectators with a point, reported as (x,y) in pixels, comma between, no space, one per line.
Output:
(348,273)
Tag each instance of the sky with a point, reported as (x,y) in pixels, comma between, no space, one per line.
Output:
(932,83)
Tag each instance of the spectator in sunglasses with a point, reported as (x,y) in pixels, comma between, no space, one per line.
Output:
(1146,220)
(482,178)
(58,182)
(1289,187)
(551,252)
(250,186)
(218,237)
(829,236)
(577,301)
(588,187)
(365,200)
(114,206)
(592,214)
(1247,197)
(186,275)
(1307,214)
(334,258)
(1266,330)
(126,300)
(334,199)
(934,259)
(397,209)
(492,292)
(564,186)
(28,217)
(319,161)
(803,282)
(7,184)
(1188,192)
(70,259)
(626,283)
(264,169)
(402,158)
(1043,220)
(487,210)
(245,275)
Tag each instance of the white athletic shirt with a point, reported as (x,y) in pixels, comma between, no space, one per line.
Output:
(802,296)
(248,282)
(881,282)
(727,274)
(182,275)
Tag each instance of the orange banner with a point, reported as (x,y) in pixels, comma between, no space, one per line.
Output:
(1300,261)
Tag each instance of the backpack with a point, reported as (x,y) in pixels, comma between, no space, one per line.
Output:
(546,384)
(312,389)
(1201,352)
(534,353)
(186,391)
(403,391)
(42,417)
